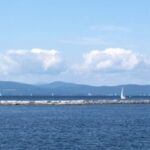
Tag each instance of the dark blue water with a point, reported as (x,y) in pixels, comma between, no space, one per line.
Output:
(89,127)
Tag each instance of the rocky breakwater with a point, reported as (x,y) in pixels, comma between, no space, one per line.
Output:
(72,102)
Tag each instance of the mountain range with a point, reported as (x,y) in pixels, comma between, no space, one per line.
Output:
(58,88)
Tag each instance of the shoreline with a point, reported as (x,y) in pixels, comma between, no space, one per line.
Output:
(72,102)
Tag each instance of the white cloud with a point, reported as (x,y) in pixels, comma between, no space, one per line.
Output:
(109,60)
(47,58)
(108,66)
(30,61)
(110,28)
(113,66)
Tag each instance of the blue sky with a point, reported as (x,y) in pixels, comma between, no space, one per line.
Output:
(43,41)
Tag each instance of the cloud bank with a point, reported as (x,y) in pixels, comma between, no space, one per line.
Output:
(108,66)
(113,66)
(30,61)
(111,59)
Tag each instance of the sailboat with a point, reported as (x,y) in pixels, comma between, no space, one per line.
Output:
(89,94)
(52,94)
(122,94)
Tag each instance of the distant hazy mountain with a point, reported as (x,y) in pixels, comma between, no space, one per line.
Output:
(70,89)
(15,88)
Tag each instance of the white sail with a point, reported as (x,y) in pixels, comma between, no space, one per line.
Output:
(122,94)
(52,94)
(89,94)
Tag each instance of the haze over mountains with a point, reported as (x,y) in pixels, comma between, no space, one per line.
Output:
(8,88)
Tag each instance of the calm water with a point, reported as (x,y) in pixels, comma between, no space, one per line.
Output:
(89,127)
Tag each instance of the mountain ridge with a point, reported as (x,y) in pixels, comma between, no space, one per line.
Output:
(61,88)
